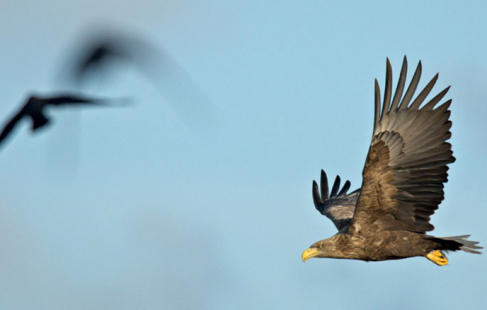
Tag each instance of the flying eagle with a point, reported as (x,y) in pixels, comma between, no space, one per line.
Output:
(402,186)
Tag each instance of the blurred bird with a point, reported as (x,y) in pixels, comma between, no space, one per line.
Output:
(96,56)
(35,107)
(402,186)
(104,50)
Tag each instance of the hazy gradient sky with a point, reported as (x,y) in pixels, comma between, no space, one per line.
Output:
(139,208)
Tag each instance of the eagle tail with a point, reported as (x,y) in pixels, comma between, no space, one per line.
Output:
(456,243)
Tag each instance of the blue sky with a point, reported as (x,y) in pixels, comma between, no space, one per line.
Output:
(137,207)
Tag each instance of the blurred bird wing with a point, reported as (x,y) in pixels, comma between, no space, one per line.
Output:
(75,100)
(157,65)
(338,206)
(407,161)
(68,99)
(96,53)
(7,129)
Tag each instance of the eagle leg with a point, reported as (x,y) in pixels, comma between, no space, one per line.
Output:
(437,257)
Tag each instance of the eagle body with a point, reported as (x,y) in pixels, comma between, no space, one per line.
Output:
(384,245)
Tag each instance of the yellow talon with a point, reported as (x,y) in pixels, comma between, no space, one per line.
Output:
(438,258)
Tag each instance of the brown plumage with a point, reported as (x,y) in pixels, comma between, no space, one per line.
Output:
(403,179)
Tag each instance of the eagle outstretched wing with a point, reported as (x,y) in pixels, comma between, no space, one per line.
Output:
(406,166)
(338,206)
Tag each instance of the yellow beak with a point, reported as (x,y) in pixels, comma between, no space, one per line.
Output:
(311,252)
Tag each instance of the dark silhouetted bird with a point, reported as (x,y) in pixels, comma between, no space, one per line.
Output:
(35,107)
(402,186)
